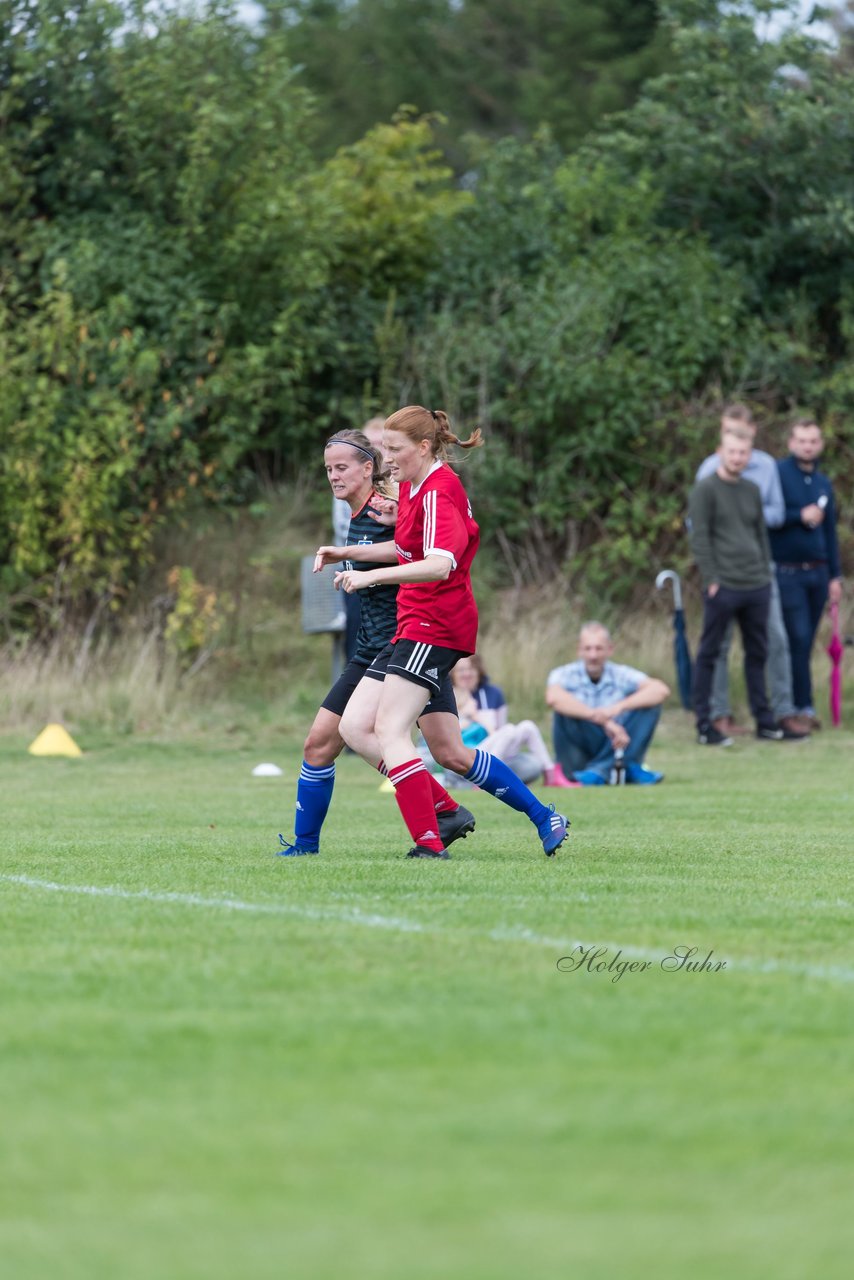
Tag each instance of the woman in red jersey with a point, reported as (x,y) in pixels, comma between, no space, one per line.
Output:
(357,474)
(436,539)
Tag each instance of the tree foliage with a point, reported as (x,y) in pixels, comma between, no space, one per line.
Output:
(192,293)
(494,67)
(186,293)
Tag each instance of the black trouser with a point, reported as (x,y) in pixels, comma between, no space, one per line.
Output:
(750,609)
(803,595)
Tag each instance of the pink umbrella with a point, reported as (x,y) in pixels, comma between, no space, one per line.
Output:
(834,652)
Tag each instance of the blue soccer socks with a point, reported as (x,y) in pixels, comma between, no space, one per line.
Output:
(493,775)
(314,794)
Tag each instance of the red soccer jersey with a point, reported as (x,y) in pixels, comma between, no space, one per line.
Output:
(436,520)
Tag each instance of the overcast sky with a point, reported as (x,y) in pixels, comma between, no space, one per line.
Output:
(250,13)
(805,8)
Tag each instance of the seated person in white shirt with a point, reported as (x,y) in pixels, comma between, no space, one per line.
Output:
(601,707)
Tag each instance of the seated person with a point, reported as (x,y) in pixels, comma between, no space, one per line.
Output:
(483,723)
(470,673)
(601,707)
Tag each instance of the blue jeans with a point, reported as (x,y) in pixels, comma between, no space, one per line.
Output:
(581,744)
(803,595)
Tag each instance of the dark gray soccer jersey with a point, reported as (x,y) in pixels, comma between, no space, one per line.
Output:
(379,604)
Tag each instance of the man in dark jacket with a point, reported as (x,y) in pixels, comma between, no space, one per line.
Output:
(730,544)
(806,553)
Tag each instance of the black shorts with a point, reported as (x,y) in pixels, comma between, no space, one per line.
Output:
(425,664)
(342,690)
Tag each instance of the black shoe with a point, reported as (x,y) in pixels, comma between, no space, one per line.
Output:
(421,851)
(794,729)
(770,733)
(709,736)
(454,826)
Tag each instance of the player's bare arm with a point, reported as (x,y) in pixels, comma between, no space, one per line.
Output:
(430,569)
(372,551)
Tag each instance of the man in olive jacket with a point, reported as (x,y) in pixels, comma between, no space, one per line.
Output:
(730,544)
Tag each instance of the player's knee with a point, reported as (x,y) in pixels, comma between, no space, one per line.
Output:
(320,749)
(455,757)
(385,741)
(351,735)
(357,737)
(388,731)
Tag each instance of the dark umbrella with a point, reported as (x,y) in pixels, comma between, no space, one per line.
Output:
(681,652)
(834,651)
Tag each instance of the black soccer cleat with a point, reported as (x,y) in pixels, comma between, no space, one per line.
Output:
(454,826)
(709,736)
(770,733)
(422,851)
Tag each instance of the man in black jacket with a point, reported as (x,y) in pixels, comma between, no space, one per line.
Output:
(806,553)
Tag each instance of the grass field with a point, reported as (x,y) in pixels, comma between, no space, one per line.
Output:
(217,1062)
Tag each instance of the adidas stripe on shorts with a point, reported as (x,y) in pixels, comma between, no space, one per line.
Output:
(421,663)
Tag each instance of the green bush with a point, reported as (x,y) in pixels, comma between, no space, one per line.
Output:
(192,295)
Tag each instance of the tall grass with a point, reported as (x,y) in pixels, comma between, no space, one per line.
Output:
(118,683)
(526,634)
(128,676)
(262,675)
(529,633)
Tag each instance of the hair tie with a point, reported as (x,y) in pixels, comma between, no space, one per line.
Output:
(433,415)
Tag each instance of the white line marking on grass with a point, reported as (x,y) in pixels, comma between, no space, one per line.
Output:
(346,915)
(355,916)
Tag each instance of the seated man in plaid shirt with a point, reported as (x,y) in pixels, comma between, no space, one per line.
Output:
(601,707)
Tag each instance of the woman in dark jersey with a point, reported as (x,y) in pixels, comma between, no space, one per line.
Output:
(356,473)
